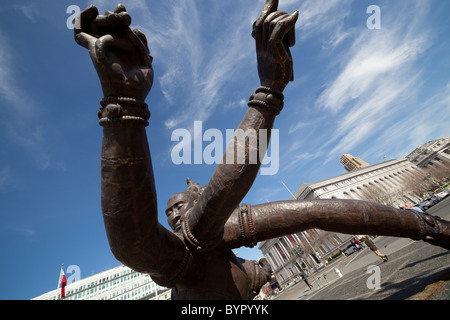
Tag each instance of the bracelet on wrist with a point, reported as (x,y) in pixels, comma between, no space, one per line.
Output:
(267,98)
(119,111)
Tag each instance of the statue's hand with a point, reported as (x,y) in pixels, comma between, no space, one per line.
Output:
(266,269)
(274,32)
(120,55)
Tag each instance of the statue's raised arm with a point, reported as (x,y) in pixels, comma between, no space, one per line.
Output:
(129,204)
(274,33)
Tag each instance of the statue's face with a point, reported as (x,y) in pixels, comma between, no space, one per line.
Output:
(177,206)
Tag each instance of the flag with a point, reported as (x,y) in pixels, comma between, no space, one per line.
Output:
(62,281)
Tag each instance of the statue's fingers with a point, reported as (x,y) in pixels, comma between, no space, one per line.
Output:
(269,25)
(282,37)
(120,8)
(108,42)
(86,21)
(143,39)
(283,27)
(269,7)
(141,36)
(85,40)
(112,20)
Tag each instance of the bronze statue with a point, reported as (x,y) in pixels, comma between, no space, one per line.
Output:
(208,221)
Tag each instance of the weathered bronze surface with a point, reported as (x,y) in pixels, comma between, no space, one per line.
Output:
(195,259)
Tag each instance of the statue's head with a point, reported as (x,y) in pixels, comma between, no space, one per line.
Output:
(180,203)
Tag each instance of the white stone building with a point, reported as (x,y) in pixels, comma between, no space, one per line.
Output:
(289,255)
(389,177)
(431,153)
(283,252)
(120,283)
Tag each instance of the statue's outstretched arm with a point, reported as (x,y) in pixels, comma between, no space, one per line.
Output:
(121,57)
(276,219)
(232,179)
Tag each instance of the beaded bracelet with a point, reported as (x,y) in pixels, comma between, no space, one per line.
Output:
(246,227)
(267,98)
(117,111)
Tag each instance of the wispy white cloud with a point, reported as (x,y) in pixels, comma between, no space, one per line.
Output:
(298,160)
(374,60)
(437,109)
(318,16)
(429,121)
(31,11)
(236,104)
(201,69)
(8,90)
(19,110)
(369,116)
(298,126)
(23,231)
(197,55)
(378,79)
(109,5)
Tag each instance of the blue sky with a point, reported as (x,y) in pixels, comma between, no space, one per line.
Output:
(371,93)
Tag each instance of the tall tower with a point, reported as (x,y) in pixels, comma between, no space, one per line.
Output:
(352,163)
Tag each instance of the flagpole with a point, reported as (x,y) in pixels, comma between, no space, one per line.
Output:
(63,282)
(288,189)
(60,274)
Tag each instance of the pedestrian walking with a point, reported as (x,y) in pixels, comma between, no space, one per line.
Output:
(305,278)
(372,246)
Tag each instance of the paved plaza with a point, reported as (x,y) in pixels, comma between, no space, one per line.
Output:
(415,271)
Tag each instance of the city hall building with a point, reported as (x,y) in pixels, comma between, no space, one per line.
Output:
(306,250)
(431,153)
(388,176)
(120,283)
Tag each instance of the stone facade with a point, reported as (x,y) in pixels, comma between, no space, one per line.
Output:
(316,246)
(388,176)
(306,250)
(352,163)
(431,153)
